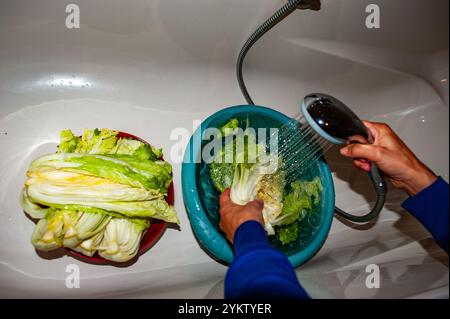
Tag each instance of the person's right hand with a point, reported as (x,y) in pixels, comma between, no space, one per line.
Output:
(391,155)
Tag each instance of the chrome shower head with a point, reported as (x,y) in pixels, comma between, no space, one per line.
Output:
(336,123)
(332,119)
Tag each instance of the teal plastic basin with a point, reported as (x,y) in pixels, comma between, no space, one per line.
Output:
(201,198)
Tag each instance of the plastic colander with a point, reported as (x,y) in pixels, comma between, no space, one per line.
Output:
(202,199)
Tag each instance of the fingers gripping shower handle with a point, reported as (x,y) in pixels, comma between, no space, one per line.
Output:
(380,189)
(337,123)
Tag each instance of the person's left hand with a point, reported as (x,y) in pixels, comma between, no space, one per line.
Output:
(233,215)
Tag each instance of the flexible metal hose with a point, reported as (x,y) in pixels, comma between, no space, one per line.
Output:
(282,13)
(380,189)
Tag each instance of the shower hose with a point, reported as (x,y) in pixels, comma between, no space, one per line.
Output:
(375,176)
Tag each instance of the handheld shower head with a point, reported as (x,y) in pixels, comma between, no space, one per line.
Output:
(332,119)
(336,123)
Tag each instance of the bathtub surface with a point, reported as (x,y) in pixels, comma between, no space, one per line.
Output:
(150,66)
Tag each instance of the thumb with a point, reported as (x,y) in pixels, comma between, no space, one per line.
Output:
(367,151)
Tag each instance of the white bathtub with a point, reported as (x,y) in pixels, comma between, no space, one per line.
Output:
(147,66)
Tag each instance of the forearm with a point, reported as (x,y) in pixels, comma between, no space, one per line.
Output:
(430,207)
(258,270)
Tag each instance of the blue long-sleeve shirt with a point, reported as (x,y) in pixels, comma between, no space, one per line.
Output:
(261,271)
(430,207)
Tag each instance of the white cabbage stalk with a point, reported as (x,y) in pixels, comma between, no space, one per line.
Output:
(126,170)
(48,232)
(86,225)
(261,180)
(157,208)
(64,184)
(32,209)
(248,186)
(121,240)
(67,228)
(89,246)
(248,171)
(243,187)
(270,190)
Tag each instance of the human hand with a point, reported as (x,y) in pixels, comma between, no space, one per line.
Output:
(233,215)
(391,155)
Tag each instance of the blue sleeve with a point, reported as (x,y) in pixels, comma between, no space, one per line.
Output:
(430,207)
(258,270)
